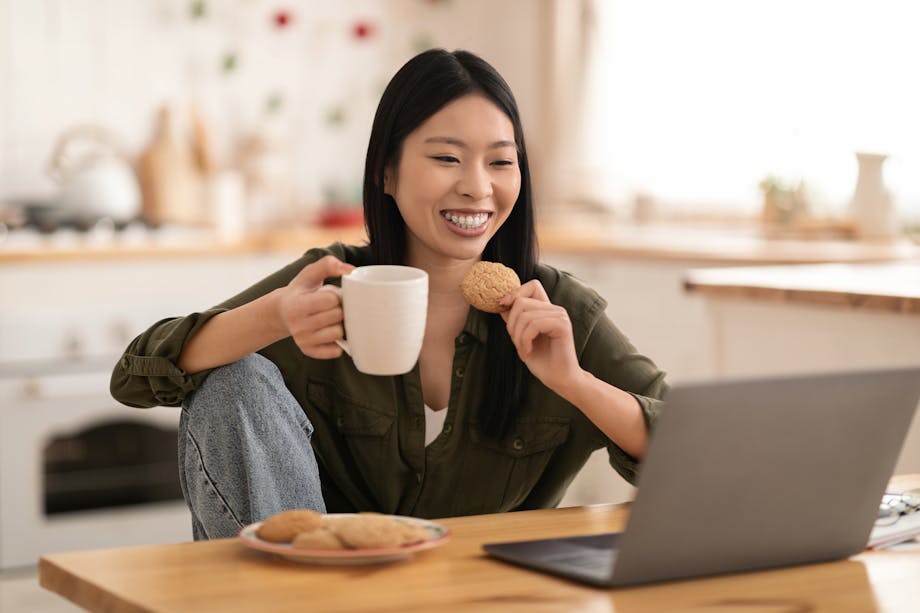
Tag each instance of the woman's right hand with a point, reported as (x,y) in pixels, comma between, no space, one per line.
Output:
(311,312)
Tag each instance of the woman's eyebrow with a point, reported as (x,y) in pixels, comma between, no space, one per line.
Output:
(503,143)
(450,140)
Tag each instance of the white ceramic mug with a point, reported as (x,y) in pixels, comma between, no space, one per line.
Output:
(385,309)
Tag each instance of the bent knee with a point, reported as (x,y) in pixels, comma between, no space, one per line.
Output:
(248,390)
(249,372)
(253,368)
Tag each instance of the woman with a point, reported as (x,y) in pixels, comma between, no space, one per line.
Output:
(276,417)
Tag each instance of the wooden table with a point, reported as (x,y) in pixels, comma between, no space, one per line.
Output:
(224,576)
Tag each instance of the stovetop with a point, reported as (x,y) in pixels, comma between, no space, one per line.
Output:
(48,216)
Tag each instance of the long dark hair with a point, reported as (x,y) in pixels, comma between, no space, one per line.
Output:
(423,86)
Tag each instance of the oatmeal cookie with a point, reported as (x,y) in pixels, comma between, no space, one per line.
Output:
(283,527)
(486,283)
(413,534)
(368,531)
(319,538)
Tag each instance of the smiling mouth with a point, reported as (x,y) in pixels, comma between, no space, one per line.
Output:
(466,221)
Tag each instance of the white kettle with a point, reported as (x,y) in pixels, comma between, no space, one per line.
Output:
(96,180)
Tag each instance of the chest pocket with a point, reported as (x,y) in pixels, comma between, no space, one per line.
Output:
(509,468)
(357,446)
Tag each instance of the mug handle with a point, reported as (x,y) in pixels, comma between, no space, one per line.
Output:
(343,343)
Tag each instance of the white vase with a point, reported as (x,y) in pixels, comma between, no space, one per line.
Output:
(872,208)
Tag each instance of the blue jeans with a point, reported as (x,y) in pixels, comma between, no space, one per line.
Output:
(244,450)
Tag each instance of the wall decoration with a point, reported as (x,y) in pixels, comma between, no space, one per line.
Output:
(198,9)
(282,19)
(258,71)
(363,30)
(335,116)
(229,62)
(273,103)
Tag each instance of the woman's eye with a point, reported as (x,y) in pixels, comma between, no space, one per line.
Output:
(448,159)
(503,163)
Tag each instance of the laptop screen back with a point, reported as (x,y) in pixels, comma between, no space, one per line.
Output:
(752,474)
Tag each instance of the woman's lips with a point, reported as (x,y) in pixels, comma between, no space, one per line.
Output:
(466,223)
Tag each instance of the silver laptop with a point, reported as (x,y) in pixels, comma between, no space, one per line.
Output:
(748,474)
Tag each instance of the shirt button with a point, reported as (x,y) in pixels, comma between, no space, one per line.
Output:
(125,362)
(518,443)
(447,428)
(459,372)
(340,421)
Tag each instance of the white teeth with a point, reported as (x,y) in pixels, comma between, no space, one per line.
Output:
(467,222)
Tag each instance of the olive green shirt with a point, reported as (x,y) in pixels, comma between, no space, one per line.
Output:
(369,430)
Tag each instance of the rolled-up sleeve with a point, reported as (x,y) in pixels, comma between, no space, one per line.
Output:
(148,374)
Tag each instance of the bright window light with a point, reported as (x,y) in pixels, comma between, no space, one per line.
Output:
(696,101)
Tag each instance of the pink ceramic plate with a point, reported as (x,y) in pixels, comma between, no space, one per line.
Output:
(437,536)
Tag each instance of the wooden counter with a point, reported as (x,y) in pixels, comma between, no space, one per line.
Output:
(187,243)
(891,286)
(720,244)
(223,576)
(592,236)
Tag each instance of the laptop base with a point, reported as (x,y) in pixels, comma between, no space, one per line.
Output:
(588,559)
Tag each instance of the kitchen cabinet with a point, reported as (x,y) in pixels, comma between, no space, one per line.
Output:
(63,323)
(814,318)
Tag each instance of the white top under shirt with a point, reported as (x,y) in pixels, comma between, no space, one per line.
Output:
(434,423)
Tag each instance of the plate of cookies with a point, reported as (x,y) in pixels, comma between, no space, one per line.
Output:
(306,536)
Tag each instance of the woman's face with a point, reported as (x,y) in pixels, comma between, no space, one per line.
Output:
(457,180)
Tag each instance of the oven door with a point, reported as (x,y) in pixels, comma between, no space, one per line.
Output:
(65,486)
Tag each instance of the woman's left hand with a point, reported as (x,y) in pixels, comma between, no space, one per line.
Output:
(542,334)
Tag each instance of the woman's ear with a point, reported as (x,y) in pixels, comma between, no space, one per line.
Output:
(389,183)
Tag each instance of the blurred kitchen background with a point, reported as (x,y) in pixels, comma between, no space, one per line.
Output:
(244,114)
(239,115)
(158,155)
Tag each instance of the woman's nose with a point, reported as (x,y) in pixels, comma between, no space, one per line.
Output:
(475,183)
